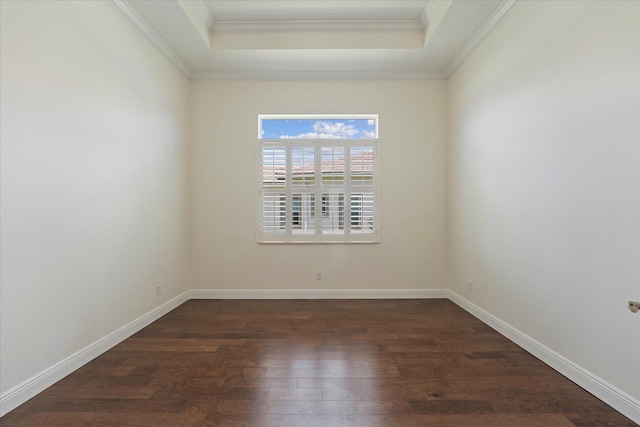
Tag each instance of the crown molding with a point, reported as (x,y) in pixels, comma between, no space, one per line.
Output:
(432,16)
(152,36)
(424,16)
(318,26)
(317,75)
(205,13)
(355,26)
(200,18)
(478,37)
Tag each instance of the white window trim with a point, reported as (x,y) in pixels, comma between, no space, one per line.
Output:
(288,237)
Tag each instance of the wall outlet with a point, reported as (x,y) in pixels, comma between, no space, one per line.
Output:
(318,275)
(470,286)
(158,290)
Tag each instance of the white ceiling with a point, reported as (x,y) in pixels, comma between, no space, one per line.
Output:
(315,39)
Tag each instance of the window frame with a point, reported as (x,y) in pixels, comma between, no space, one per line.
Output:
(344,193)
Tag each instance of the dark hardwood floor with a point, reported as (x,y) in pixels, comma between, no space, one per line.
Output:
(316,363)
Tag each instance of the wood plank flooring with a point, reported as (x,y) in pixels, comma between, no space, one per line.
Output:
(316,363)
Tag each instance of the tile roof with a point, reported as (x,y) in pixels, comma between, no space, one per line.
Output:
(362,162)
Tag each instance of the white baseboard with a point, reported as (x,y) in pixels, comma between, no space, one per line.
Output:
(614,397)
(19,394)
(320,294)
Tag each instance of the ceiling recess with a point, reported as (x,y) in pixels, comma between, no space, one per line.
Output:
(315,39)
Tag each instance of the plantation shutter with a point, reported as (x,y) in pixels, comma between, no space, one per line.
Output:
(318,189)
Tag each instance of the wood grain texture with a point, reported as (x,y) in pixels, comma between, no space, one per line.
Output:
(315,363)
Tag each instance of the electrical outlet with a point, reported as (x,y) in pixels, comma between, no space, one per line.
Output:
(318,275)
(470,286)
(158,290)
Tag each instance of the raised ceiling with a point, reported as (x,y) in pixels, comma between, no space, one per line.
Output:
(315,39)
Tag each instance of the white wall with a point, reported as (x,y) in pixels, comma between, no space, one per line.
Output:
(223,175)
(543,182)
(94,180)
(544,200)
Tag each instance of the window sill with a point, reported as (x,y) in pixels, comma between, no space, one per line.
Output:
(335,242)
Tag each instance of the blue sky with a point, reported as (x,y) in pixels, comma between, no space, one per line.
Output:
(322,128)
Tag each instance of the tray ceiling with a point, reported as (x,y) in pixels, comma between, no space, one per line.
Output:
(315,39)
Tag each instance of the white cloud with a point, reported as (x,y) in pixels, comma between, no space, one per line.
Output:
(371,122)
(332,130)
(338,129)
(300,136)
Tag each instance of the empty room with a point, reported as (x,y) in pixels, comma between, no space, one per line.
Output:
(320,213)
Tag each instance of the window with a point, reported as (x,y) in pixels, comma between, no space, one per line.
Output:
(324,161)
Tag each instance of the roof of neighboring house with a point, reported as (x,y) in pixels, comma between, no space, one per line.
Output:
(362,162)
